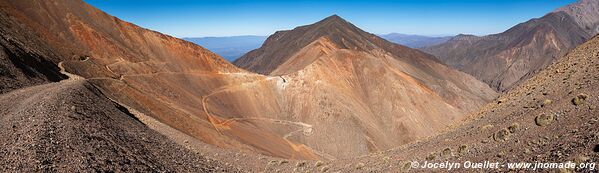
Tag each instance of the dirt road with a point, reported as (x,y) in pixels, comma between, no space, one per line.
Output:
(71,126)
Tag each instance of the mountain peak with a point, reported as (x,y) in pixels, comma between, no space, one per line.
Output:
(281,46)
(339,31)
(334,17)
(333,21)
(462,37)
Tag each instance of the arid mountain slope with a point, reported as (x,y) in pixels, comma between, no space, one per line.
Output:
(22,66)
(550,118)
(335,104)
(585,14)
(357,82)
(282,45)
(503,60)
(70,126)
(161,76)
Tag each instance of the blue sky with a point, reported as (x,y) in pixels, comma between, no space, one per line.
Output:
(198,18)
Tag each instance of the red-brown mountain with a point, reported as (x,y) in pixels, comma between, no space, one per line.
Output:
(282,45)
(366,93)
(503,60)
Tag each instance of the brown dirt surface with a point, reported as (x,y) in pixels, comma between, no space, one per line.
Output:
(70,126)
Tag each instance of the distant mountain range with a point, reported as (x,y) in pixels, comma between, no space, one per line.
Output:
(415,41)
(231,47)
(505,59)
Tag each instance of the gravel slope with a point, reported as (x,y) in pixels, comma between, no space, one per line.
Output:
(70,126)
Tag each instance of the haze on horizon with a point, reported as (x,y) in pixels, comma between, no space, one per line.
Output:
(216,18)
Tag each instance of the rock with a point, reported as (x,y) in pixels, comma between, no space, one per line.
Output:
(405,167)
(503,100)
(501,154)
(527,151)
(579,99)
(546,102)
(501,135)
(318,163)
(544,119)
(272,162)
(581,158)
(300,164)
(431,156)
(463,149)
(283,162)
(386,159)
(514,127)
(446,153)
(359,165)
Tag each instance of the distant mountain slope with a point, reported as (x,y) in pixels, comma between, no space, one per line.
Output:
(229,48)
(414,41)
(503,60)
(585,14)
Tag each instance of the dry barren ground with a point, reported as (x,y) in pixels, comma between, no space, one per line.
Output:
(71,126)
